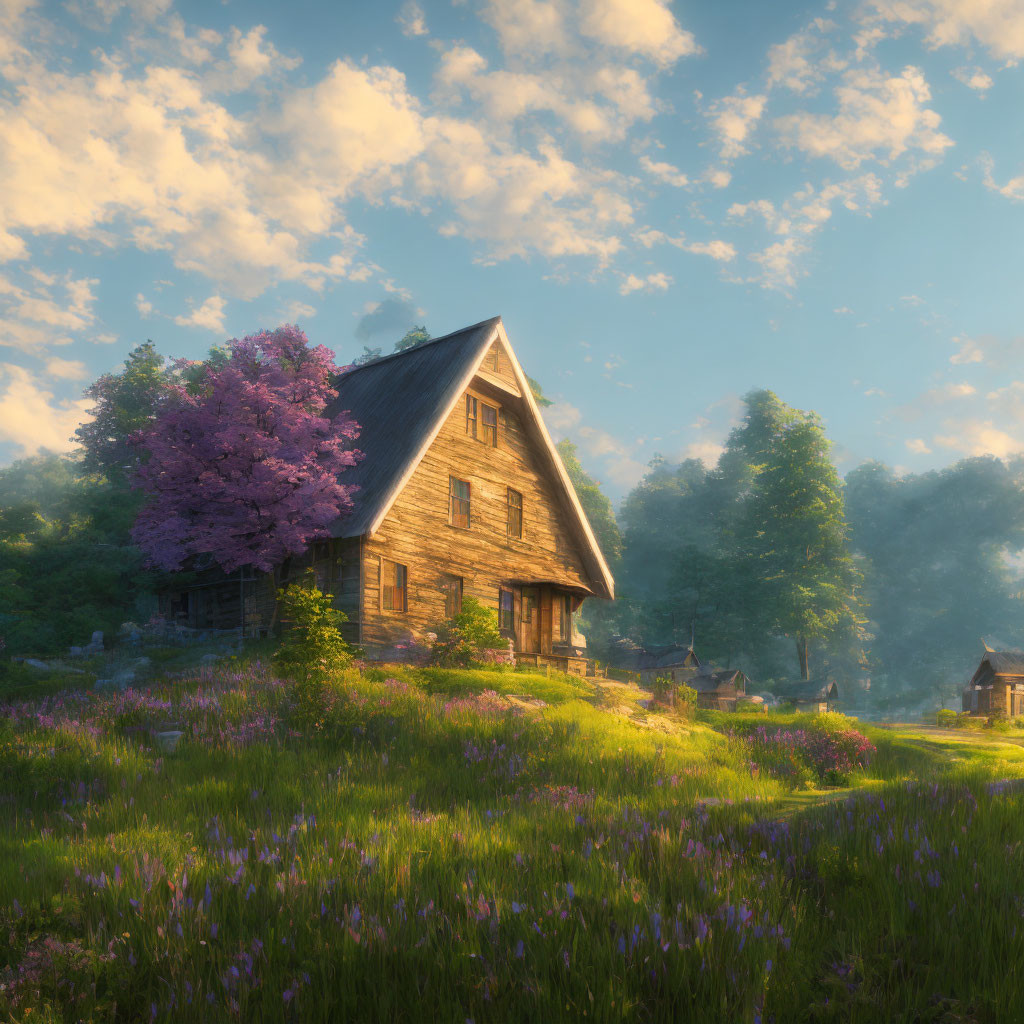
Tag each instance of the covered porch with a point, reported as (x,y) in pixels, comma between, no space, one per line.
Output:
(540,618)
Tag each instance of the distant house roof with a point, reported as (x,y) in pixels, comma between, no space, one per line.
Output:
(401,401)
(810,691)
(668,657)
(728,681)
(1001,663)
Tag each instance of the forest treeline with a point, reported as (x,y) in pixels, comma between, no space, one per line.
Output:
(769,560)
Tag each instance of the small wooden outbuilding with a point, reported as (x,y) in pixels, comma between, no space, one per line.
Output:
(675,663)
(997,685)
(719,691)
(814,696)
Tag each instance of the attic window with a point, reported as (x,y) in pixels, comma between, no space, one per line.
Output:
(489,415)
(471,415)
(515,514)
(458,501)
(491,362)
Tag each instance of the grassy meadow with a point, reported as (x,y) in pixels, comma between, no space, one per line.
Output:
(460,845)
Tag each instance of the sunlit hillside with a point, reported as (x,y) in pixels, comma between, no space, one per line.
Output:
(495,846)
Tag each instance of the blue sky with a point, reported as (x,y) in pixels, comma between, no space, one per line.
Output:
(668,203)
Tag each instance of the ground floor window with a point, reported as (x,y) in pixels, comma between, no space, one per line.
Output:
(506,617)
(451,587)
(394,587)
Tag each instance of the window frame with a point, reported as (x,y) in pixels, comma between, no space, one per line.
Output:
(472,415)
(510,508)
(507,627)
(453,497)
(453,589)
(488,431)
(388,591)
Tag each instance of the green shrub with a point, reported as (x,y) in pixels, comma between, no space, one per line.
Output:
(460,641)
(947,719)
(312,647)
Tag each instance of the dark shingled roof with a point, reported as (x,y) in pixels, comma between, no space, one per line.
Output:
(1010,663)
(670,657)
(726,681)
(809,691)
(401,401)
(396,401)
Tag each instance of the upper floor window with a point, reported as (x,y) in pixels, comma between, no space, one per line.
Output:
(451,587)
(515,514)
(471,415)
(489,416)
(458,502)
(394,587)
(491,362)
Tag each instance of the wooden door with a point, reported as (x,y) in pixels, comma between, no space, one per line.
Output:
(528,626)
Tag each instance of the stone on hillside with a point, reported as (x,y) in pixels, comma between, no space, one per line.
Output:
(168,740)
(36,663)
(209,659)
(118,681)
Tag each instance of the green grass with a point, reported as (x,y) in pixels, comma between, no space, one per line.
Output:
(412,849)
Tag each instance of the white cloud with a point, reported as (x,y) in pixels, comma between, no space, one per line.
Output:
(297,311)
(31,418)
(968,351)
(980,437)
(798,63)
(665,172)
(412,20)
(1013,189)
(917,445)
(210,315)
(646,28)
(880,117)
(732,119)
(843,311)
(716,248)
(66,369)
(143,305)
(800,217)
(651,283)
(996,24)
(973,78)
(33,317)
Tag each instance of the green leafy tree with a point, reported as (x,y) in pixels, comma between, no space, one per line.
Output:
(460,640)
(538,393)
(125,402)
(412,337)
(791,535)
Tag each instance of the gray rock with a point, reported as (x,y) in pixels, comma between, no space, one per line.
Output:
(168,740)
(118,681)
(96,640)
(36,663)
(209,659)
(76,652)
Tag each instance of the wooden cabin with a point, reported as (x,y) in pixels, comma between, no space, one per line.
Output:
(814,697)
(719,691)
(675,663)
(997,685)
(461,494)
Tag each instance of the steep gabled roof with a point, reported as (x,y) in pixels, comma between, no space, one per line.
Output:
(401,401)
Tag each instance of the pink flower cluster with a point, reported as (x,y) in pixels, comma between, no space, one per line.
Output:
(832,755)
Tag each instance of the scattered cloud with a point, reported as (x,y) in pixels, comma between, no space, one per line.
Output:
(656,282)
(1012,189)
(918,446)
(210,316)
(66,369)
(801,63)
(733,119)
(664,172)
(645,28)
(31,417)
(968,351)
(412,20)
(880,117)
(973,78)
(716,248)
(45,311)
(143,305)
(998,25)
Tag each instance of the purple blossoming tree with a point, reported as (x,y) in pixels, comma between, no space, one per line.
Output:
(241,464)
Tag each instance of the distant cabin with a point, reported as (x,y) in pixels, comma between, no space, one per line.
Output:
(811,696)
(675,663)
(997,685)
(719,691)
(461,494)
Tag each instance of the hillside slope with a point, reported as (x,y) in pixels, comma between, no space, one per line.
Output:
(489,846)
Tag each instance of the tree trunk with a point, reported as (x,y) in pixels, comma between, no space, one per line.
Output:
(277,603)
(803,653)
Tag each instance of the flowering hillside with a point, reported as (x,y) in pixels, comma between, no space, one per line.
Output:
(491,846)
